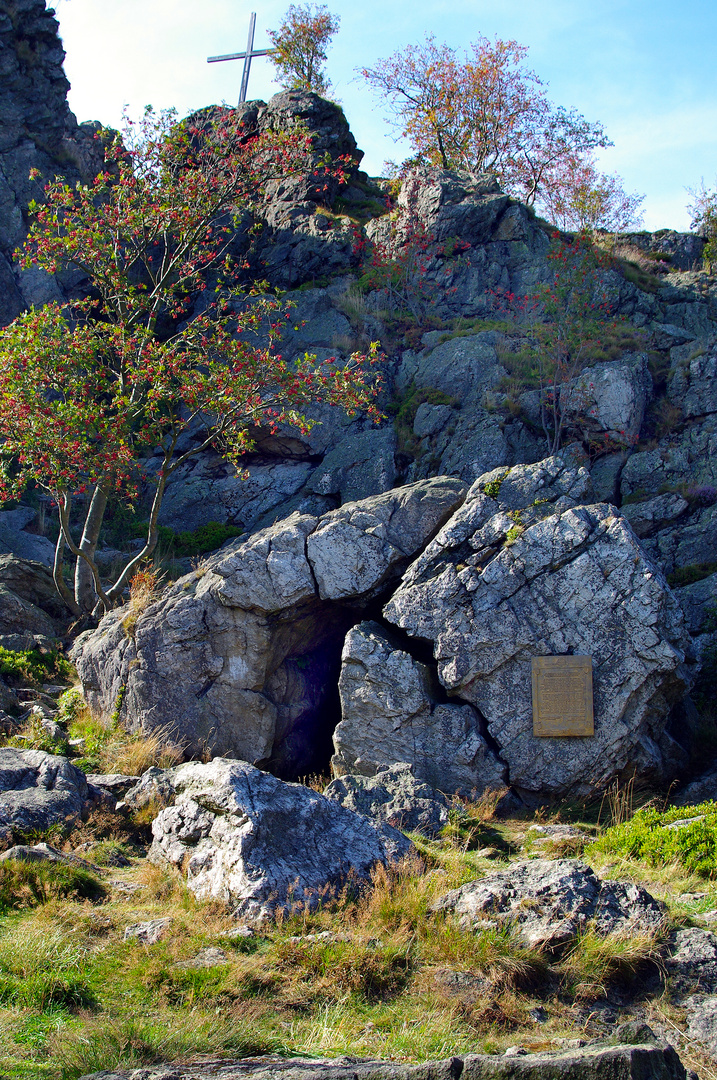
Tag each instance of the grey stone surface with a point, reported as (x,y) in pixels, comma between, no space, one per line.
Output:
(392,710)
(692,965)
(494,590)
(44,853)
(236,657)
(685,457)
(393,795)
(147,933)
(701,789)
(117,783)
(622,1062)
(550,903)
(38,790)
(692,541)
(610,399)
(155,786)
(699,603)
(250,840)
(649,516)
(702,1022)
(208,489)
(693,386)
(361,465)
(37,130)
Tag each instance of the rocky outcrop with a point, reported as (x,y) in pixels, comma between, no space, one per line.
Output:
(393,709)
(647,1061)
(523,570)
(240,655)
(392,795)
(247,839)
(549,903)
(38,790)
(38,131)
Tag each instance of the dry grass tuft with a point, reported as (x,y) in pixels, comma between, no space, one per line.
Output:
(596,963)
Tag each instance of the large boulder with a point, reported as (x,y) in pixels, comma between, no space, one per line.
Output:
(392,709)
(38,790)
(550,903)
(252,841)
(523,570)
(239,656)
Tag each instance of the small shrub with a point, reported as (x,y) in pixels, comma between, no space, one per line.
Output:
(32,667)
(645,836)
(688,575)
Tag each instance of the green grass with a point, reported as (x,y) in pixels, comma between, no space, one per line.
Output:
(29,884)
(76,998)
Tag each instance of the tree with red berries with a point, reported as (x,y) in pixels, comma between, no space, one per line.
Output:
(161,345)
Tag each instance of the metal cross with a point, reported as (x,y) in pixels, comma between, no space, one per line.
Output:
(247,57)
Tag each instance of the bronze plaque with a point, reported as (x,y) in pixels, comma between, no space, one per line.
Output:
(562,695)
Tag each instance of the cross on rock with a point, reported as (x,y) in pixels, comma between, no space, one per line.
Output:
(247,57)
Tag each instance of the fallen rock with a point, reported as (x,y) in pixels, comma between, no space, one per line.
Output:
(394,796)
(147,933)
(116,783)
(206,958)
(250,840)
(393,709)
(633,1062)
(44,853)
(38,790)
(154,786)
(551,902)
(239,656)
(521,571)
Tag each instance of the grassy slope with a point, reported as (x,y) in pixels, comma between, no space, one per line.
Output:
(75,997)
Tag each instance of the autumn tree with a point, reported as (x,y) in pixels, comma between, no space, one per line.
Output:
(580,197)
(703,209)
(300,46)
(485,113)
(160,352)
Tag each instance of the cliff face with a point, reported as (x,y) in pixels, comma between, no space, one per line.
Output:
(37,130)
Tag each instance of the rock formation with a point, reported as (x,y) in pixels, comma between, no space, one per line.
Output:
(251,841)
(239,656)
(521,571)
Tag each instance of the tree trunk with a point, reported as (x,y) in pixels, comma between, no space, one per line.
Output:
(85,592)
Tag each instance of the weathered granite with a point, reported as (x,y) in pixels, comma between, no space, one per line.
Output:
(263,846)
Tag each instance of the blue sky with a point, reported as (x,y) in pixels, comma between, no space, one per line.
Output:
(644,68)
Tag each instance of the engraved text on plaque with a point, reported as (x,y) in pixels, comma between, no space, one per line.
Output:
(562,695)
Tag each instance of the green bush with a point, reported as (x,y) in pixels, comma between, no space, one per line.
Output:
(125,526)
(647,836)
(30,666)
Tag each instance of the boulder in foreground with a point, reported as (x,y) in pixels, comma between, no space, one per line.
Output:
(261,845)
(38,790)
(550,903)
